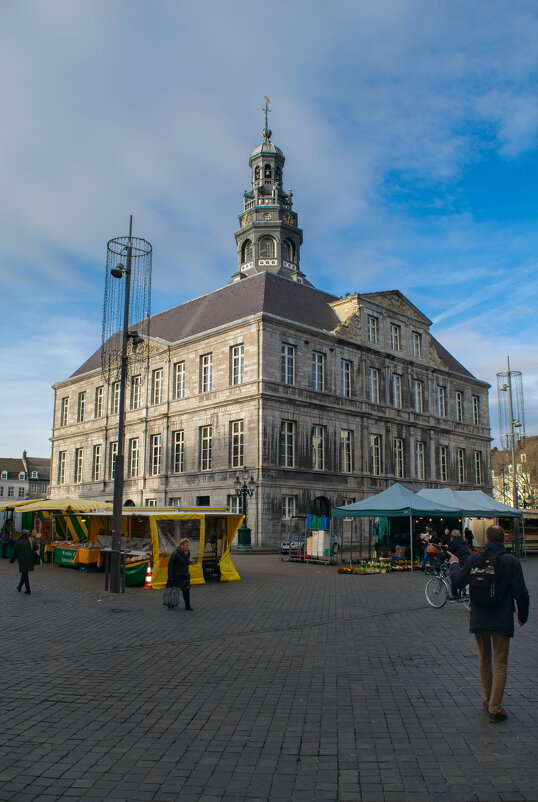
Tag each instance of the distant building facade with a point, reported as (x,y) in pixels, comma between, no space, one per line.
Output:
(325,400)
(24,477)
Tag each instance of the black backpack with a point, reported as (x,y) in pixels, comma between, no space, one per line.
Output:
(488,582)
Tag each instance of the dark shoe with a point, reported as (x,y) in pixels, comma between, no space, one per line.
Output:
(190,608)
(27,592)
(502,715)
(19,588)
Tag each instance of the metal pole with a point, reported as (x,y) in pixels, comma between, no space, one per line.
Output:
(515,500)
(117,506)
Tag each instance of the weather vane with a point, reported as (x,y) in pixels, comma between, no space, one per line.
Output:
(266,131)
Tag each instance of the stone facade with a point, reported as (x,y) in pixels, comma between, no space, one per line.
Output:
(322,399)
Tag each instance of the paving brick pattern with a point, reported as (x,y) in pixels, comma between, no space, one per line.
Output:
(297,683)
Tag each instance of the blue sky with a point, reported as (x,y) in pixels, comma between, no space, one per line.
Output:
(410,130)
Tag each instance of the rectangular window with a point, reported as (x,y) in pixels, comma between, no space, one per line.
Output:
(395,336)
(206,438)
(2,490)
(99,394)
(287,364)
(237,360)
(61,467)
(156,446)
(318,371)
(288,507)
(79,460)
(418,396)
(134,456)
(64,411)
(81,407)
(419,460)
(376,465)
(417,344)
(115,399)
(11,491)
(460,458)
(178,445)
(346,450)
(345,378)
(373,329)
(476,410)
(287,444)
(150,502)
(318,448)
(206,373)
(236,441)
(478,467)
(443,467)
(135,391)
(396,391)
(459,406)
(112,454)
(398,458)
(233,504)
(96,464)
(373,385)
(441,402)
(179,380)
(21,492)
(157,386)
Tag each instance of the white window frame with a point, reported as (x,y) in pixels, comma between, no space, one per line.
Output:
(115,398)
(237,362)
(233,503)
(373,385)
(478,467)
(460,461)
(178,451)
(112,454)
(346,450)
(206,445)
(81,407)
(64,411)
(418,396)
(376,454)
(459,406)
(288,507)
(156,386)
(156,454)
(79,465)
(441,401)
(345,378)
(287,444)
(318,371)
(373,329)
(443,464)
(237,431)
(417,344)
(476,410)
(396,391)
(61,467)
(420,460)
(398,458)
(318,448)
(96,463)
(21,492)
(179,380)
(287,363)
(134,457)
(150,502)
(206,373)
(395,336)
(136,383)
(99,397)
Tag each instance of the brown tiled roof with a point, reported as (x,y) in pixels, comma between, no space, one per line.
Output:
(264,292)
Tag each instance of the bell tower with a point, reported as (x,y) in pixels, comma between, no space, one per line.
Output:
(269,238)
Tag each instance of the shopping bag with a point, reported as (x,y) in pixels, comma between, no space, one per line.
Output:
(171,597)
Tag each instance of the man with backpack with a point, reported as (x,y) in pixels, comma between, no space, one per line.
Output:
(495,580)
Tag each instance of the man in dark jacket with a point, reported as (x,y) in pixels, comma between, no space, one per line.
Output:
(493,626)
(23,551)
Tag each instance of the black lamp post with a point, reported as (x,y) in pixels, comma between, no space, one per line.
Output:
(244,487)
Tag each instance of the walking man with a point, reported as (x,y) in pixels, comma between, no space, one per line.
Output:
(492,622)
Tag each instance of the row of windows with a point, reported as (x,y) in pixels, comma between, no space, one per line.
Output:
(267,249)
(22,475)
(11,492)
(237,376)
(395,331)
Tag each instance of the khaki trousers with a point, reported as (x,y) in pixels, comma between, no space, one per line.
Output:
(493,678)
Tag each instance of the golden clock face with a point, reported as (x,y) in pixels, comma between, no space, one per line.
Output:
(288,217)
(245,220)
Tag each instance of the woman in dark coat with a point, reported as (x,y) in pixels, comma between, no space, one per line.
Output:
(178,572)
(23,551)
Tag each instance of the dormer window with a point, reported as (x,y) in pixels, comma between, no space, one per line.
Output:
(35,475)
(267,172)
(267,248)
(257,173)
(22,476)
(246,251)
(4,474)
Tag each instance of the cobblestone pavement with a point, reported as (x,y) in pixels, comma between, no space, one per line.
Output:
(296,683)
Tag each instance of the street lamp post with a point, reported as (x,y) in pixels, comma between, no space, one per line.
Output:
(513,425)
(244,487)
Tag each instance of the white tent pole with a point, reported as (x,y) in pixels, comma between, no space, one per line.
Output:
(411,536)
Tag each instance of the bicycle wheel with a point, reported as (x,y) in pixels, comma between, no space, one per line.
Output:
(436,592)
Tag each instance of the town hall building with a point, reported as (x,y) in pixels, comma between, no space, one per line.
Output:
(323,400)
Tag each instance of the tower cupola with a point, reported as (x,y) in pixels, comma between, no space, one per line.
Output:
(269,237)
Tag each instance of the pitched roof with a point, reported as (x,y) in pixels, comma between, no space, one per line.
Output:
(450,361)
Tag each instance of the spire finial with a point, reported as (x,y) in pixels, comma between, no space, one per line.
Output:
(266,133)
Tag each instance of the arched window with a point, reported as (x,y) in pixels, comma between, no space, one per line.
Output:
(246,251)
(257,173)
(278,174)
(288,251)
(267,171)
(267,248)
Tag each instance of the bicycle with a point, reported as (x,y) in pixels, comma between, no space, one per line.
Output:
(438,589)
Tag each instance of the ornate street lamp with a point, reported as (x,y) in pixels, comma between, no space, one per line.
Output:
(244,487)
